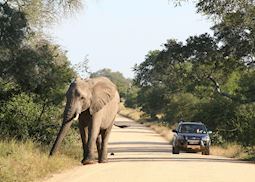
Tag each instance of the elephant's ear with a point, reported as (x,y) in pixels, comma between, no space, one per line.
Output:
(102,94)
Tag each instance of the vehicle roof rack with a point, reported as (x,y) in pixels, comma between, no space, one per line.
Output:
(197,121)
(181,120)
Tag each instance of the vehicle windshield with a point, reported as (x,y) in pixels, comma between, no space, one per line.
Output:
(192,128)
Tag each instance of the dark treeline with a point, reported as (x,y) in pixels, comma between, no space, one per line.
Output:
(208,78)
(34,72)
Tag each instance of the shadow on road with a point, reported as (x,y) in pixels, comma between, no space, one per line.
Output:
(140,149)
(139,132)
(154,149)
(130,124)
(139,143)
(174,159)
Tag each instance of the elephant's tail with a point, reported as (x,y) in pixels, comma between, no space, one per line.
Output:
(121,126)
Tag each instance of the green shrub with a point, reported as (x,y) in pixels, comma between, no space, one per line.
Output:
(245,123)
(23,118)
(131,97)
(17,116)
(230,121)
(217,138)
(181,106)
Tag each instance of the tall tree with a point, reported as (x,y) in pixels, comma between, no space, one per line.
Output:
(117,78)
(42,12)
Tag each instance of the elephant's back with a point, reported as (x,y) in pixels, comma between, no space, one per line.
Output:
(102,79)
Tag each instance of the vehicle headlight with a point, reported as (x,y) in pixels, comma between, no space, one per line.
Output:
(205,138)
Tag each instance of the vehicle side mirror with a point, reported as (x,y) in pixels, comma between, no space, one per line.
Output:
(209,132)
(174,130)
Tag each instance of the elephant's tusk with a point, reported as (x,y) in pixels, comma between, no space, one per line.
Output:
(76,117)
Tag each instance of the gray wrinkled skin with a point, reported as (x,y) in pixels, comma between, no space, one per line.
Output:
(95,102)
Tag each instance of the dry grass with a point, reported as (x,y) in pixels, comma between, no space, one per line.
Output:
(26,161)
(230,150)
(164,131)
(134,114)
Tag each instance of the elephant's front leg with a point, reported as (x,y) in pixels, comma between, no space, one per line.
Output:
(104,149)
(93,134)
(84,138)
(99,146)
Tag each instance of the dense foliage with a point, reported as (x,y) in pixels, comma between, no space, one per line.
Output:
(207,78)
(34,74)
(41,13)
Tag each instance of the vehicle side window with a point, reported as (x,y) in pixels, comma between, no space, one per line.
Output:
(184,128)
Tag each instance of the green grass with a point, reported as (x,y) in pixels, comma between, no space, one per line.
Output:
(28,161)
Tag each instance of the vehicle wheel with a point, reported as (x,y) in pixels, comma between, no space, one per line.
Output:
(206,152)
(175,150)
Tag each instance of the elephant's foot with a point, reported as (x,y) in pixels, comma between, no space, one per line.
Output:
(87,162)
(103,161)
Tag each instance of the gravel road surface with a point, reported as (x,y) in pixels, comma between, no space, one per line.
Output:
(141,155)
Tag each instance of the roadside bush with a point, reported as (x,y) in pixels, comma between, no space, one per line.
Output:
(22,118)
(181,106)
(131,97)
(230,121)
(151,100)
(217,138)
(245,121)
(17,116)
(216,114)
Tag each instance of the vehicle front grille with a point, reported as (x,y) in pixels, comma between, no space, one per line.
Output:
(193,138)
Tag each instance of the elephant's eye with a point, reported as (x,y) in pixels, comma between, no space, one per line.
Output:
(82,98)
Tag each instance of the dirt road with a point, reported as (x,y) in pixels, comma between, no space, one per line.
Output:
(142,155)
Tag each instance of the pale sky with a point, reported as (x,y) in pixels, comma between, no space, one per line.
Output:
(117,34)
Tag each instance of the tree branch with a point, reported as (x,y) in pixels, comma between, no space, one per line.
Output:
(225,130)
(218,89)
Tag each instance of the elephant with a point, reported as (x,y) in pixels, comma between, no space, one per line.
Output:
(95,103)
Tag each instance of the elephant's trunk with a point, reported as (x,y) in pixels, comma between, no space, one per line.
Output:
(67,121)
(61,134)
(69,115)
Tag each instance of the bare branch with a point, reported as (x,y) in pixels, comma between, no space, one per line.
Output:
(218,89)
